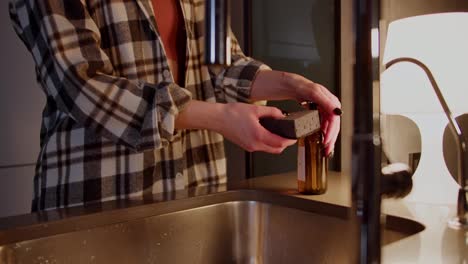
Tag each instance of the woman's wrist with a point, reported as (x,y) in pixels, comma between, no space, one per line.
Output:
(273,85)
(215,113)
(294,84)
(201,115)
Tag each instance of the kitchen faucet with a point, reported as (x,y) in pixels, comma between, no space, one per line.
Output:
(462,158)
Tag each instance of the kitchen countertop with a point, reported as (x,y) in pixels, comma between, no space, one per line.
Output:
(437,243)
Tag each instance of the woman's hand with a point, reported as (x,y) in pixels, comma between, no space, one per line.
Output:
(237,122)
(243,128)
(277,85)
(307,90)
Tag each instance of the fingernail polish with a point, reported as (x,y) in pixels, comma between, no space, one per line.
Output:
(337,111)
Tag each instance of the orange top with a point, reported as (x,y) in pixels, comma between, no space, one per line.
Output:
(170,21)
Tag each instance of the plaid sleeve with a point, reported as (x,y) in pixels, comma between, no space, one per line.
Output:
(65,43)
(233,83)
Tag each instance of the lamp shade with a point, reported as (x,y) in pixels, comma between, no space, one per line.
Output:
(440,41)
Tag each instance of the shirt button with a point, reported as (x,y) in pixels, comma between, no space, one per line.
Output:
(179,181)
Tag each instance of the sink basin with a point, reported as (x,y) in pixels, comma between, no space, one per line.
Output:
(232,227)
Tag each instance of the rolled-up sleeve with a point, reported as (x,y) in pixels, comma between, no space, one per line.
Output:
(79,76)
(233,83)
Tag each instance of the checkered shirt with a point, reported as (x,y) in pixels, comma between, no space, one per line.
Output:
(108,125)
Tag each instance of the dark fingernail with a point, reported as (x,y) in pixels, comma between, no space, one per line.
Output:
(331,154)
(337,111)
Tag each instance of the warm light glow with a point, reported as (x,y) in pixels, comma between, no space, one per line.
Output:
(440,41)
(405,88)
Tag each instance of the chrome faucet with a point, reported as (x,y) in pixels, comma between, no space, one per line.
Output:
(462,158)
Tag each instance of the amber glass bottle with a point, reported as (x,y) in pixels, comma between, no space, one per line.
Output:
(312,163)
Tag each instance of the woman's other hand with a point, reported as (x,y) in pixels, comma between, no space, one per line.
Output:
(243,128)
(307,90)
(237,122)
(277,85)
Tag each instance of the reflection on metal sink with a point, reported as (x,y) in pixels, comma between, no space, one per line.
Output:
(235,227)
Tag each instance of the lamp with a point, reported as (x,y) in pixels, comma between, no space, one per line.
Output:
(426,58)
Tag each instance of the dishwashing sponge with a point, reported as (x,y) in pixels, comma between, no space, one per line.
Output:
(295,125)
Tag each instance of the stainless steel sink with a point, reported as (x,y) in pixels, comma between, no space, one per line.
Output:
(232,227)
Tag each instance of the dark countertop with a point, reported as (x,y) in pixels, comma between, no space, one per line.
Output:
(437,243)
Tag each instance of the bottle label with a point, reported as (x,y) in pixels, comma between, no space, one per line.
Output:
(301,163)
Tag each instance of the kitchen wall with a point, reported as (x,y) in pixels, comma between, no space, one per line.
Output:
(21,103)
(396,9)
(346,84)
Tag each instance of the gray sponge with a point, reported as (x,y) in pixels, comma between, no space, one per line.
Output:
(294,125)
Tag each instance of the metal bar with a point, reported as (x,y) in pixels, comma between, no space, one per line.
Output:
(247,16)
(217,27)
(366,154)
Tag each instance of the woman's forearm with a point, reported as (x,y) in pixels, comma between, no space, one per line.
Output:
(272,85)
(201,115)
(237,122)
